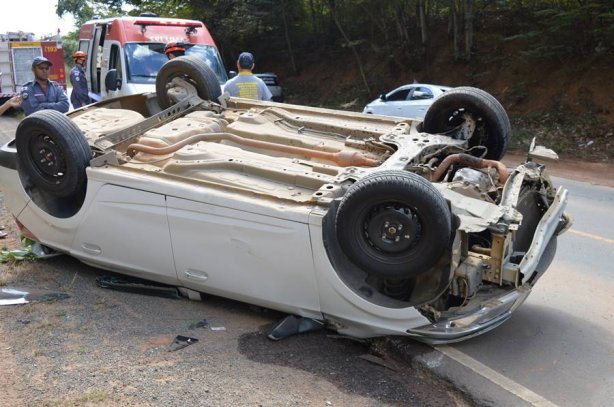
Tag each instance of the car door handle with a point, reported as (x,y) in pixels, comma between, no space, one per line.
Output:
(196,275)
(91,248)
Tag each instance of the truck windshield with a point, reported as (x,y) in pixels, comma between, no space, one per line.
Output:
(145,59)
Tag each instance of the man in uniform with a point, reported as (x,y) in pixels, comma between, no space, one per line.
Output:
(78,96)
(246,84)
(41,93)
(174,50)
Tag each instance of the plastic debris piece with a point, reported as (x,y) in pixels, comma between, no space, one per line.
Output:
(181,342)
(200,324)
(12,296)
(9,296)
(137,286)
(218,328)
(42,251)
(293,325)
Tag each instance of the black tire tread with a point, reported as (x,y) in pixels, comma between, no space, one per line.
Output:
(437,221)
(76,151)
(207,85)
(497,120)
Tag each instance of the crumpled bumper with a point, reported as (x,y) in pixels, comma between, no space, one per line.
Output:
(488,316)
(493,312)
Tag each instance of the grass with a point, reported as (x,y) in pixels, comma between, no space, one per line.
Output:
(571,135)
(91,397)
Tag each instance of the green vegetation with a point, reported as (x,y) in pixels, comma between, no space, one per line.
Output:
(18,254)
(545,60)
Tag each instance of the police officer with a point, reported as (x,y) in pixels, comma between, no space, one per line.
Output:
(174,50)
(78,96)
(246,84)
(41,93)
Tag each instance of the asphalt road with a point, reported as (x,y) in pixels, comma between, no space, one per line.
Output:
(8,124)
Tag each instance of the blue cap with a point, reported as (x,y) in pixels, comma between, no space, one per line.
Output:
(40,60)
(246,60)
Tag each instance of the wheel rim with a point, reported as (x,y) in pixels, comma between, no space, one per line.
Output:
(48,159)
(391,228)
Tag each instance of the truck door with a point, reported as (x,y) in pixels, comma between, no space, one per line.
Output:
(95,58)
(113,77)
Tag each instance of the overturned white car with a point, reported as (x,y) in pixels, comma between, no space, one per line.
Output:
(372,225)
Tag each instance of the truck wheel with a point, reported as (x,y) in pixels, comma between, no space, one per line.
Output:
(53,153)
(493,129)
(393,224)
(195,71)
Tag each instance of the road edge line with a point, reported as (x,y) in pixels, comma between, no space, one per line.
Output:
(497,378)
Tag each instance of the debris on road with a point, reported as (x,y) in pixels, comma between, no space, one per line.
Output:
(13,296)
(293,325)
(181,342)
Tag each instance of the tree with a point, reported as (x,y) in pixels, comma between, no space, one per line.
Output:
(350,44)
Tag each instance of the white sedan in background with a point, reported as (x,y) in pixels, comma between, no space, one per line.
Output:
(406,101)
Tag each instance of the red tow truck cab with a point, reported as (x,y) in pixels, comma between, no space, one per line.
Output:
(124,54)
(16,63)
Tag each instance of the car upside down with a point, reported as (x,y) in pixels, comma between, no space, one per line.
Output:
(373,225)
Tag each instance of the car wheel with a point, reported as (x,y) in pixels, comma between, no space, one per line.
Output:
(195,70)
(393,224)
(53,153)
(493,129)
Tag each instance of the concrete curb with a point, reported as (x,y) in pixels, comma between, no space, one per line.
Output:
(477,389)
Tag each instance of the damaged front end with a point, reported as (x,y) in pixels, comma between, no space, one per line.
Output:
(497,263)
(504,230)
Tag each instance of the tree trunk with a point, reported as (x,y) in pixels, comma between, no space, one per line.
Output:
(456,34)
(468,29)
(283,14)
(314,25)
(335,17)
(423,31)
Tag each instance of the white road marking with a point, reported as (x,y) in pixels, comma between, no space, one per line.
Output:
(504,382)
(592,236)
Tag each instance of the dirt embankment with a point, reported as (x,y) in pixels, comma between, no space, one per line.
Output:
(568,105)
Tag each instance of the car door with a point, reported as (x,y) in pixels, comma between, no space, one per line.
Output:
(244,254)
(418,102)
(395,103)
(126,230)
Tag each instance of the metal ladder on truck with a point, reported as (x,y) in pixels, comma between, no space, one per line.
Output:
(7,77)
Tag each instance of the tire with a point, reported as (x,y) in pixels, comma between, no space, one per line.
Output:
(367,223)
(493,129)
(53,153)
(196,71)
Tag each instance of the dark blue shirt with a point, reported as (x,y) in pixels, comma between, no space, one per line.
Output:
(78,96)
(34,99)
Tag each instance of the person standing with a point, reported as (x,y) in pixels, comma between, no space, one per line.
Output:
(78,96)
(246,84)
(41,93)
(174,50)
